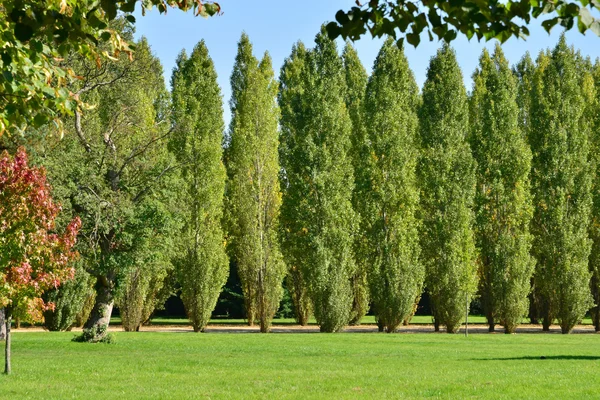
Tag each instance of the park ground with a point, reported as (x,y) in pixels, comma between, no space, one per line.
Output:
(168,361)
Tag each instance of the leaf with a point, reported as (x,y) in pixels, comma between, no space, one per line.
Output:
(130,18)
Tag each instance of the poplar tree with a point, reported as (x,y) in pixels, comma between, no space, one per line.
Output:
(356,82)
(254,195)
(503,206)
(595,223)
(292,104)
(389,196)
(447,176)
(201,265)
(524,72)
(318,200)
(561,185)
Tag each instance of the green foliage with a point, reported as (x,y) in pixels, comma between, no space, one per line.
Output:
(113,168)
(388,196)
(446,172)
(291,103)
(444,19)
(69,300)
(594,232)
(317,210)
(503,204)
(95,334)
(356,83)
(253,193)
(35,37)
(561,184)
(201,263)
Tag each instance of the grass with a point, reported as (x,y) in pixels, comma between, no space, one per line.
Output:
(160,365)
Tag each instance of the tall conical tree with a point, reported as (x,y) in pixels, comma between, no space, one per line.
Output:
(356,82)
(561,185)
(317,203)
(503,206)
(524,71)
(292,105)
(254,195)
(244,67)
(202,264)
(447,175)
(595,224)
(389,197)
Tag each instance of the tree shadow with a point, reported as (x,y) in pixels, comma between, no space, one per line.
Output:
(563,357)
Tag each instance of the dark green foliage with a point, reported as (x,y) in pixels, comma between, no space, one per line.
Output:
(356,82)
(69,301)
(317,210)
(201,263)
(503,206)
(561,185)
(388,195)
(446,173)
(446,19)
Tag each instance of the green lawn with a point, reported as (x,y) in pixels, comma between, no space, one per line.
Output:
(164,365)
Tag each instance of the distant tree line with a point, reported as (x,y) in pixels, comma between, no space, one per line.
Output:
(342,191)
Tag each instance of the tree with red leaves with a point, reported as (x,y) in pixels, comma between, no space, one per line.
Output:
(33,258)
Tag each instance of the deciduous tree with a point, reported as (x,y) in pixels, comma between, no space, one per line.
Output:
(447,176)
(292,103)
(201,264)
(254,195)
(389,197)
(317,203)
(356,82)
(503,204)
(561,185)
(33,257)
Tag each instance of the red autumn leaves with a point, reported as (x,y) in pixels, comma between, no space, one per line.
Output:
(33,257)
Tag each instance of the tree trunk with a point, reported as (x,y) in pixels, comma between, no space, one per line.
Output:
(8,320)
(491,324)
(97,324)
(436,325)
(2,325)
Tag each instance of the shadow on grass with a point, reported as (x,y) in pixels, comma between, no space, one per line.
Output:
(582,358)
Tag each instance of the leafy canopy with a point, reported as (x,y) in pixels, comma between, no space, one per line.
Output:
(445,19)
(32,257)
(35,36)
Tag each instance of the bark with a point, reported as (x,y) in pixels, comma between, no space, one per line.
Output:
(99,319)
(2,325)
(491,324)
(7,366)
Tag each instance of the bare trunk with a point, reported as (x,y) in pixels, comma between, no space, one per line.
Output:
(2,325)
(436,325)
(7,323)
(491,324)
(97,324)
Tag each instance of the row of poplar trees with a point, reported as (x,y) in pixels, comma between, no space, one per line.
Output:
(360,191)
(356,192)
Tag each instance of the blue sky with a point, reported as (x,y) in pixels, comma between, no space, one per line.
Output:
(275,25)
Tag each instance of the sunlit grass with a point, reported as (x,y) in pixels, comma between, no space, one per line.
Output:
(162,365)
